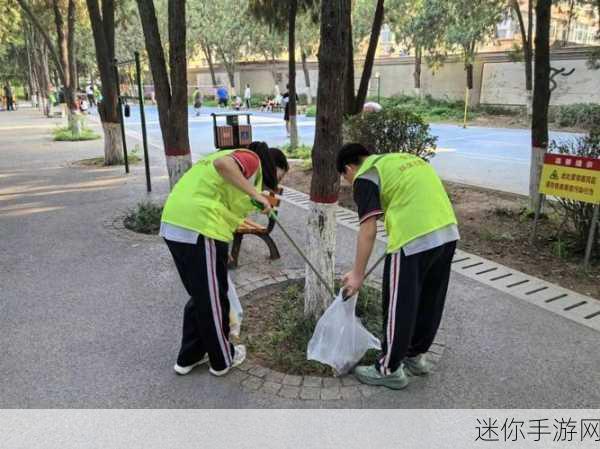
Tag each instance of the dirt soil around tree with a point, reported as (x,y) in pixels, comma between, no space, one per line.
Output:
(495,225)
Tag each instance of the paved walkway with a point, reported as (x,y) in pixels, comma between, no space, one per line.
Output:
(90,314)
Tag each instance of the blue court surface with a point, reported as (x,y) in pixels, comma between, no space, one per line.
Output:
(496,158)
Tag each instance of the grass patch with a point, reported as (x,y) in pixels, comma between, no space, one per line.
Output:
(277,333)
(65,135)
(144,218)
(303,152)
(99,161)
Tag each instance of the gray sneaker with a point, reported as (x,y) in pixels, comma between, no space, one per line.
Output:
(370,375)
(417,365)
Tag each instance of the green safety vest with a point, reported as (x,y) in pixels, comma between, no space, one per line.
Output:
(204,202)
(413,198)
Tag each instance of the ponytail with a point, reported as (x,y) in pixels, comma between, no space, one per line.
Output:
(270,159)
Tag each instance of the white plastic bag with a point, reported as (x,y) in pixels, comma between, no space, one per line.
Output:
(235,310)
(340,340)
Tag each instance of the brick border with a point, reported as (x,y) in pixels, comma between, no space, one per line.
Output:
(257,379)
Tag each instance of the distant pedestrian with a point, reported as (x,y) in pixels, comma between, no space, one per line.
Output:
(89,90)
(198,98)
(247,96)
(238,103)
(8,95)
(286,109)
(222,96)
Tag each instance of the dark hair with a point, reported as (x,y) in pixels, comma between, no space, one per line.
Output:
(351,153)
(270,159)
(280,159)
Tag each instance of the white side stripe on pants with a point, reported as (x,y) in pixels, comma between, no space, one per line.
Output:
(394,281)
(213,291)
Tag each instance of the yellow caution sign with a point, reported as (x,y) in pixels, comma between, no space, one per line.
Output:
(572,177)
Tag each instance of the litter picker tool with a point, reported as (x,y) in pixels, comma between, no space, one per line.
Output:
(274,216)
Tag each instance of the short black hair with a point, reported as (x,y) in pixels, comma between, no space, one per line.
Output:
(280,159)
(351,153)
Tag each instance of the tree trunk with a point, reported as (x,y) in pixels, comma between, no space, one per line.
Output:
(541,98)
(526,34)
(172,104)
(349,94)
(363,87)
(104,38)
(293,8)
(417,72)
(321,226)
(306,76)
(211,64)
(469,71)
(113,143)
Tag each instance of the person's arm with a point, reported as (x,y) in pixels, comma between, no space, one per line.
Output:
(353,280)
(231,172)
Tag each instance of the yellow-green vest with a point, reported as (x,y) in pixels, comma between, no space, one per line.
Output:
(204,202)
(413,198)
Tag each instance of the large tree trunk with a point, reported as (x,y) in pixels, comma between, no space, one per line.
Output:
(361,96)
(103,28)
(541,98)
(172,106)
(349,91)
(328,139)
(306,76)
(293,9)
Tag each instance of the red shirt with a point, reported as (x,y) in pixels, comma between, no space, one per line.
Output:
(248,162)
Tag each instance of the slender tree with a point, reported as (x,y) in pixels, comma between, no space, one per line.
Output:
(103,27)
(541,97)
(324,187)
(171,91)
(526,31)
(62,54)
(354,101)
(276,12)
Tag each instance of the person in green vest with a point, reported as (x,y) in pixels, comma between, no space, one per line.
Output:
(199,219)
(422,233)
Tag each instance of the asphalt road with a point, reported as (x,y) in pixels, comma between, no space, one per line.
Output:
(496,158)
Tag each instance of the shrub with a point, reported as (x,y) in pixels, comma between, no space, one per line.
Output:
(391,131)
(145,218)
(578,115)
(311,111)
(300,152)
(577,214)
(65,135)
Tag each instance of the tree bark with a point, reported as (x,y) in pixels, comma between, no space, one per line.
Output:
(211,64)
(363,87)
(104,41)
(469,72)
(171,96)
(349,92)
(417,72)
(541,98)
(526,34)
(306,75)
(292,11)
(333,57)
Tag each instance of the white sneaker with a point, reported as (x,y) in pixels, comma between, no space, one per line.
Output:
(238,358)
(183,370)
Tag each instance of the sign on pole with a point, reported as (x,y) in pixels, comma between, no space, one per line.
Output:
(575,178)
(572,177)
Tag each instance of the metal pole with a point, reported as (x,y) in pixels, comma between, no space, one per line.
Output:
(121,121)
(138,76)
(536,219)
(592,234)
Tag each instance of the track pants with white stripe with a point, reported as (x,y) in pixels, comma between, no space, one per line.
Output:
(414,293)
(203,270)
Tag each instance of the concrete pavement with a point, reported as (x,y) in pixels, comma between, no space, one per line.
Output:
(90,315)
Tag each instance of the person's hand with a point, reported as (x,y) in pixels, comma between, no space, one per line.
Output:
(264,201)
(351,283)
